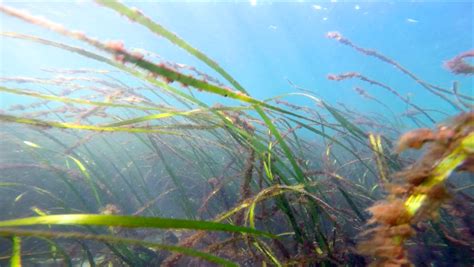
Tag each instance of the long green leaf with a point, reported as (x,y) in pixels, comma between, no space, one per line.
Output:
(129,221)
(113,239)
(15,260)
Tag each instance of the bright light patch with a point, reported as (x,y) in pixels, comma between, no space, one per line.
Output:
(356,7)
(317,7)
(28,143)
(253,2)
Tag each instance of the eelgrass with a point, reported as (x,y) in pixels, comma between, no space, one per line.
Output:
(128,221)
(16,260)
(299,190)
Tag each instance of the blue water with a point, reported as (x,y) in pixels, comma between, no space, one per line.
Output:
(265,44)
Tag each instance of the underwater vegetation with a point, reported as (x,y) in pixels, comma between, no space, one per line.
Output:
(421,190)
(96,171)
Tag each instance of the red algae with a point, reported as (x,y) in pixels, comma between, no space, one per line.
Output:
(458,65)
(392,218)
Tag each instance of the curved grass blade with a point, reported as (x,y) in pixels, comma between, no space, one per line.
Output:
(89,180)
(113,239)
(169,114)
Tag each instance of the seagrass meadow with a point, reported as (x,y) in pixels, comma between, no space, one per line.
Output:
(124,156)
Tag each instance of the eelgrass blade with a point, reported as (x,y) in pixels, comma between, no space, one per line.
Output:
(90,256)
(89,180)
(119,240)
(356,131)
(154,117)
(64,125)
(289,155)
(352,204)
(15,260)
(266,250)
(376,143)
(130,222)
